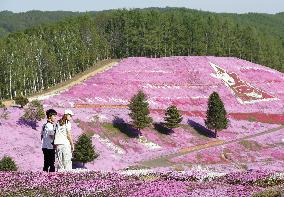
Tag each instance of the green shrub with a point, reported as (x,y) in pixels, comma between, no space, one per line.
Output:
(251,145)
(2,105)
(7,164)
(20,100)
(34,112)
(4,114)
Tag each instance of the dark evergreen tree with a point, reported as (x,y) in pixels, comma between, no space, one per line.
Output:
(7,164)
(84,151)
(172,117)
(139,111)
(216,114)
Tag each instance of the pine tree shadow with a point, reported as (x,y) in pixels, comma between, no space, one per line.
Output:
(78,165)
(160,127)
(125,128)
(22,122)
(201,129)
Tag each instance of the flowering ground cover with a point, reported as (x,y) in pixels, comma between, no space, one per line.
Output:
(101,99)
(262,152)
(123,183)
(184,81)
(252,96)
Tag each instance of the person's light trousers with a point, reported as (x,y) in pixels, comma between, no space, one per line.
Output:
(64,156)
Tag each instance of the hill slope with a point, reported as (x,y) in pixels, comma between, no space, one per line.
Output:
(99,104)
(43,56)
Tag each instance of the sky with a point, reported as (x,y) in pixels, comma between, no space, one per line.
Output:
(228,6)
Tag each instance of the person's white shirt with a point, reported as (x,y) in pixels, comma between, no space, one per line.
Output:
(47,135)
(61,133)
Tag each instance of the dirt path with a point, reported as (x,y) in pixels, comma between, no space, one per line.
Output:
(99,67)
(163,161)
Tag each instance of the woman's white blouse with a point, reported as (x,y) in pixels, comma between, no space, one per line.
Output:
(61,133)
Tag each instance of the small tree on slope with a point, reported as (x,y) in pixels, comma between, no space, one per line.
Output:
(139,111)
(216,114)
(7,164)
(172,117)
(84,151)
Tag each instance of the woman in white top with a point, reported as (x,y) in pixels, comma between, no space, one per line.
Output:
(64,142)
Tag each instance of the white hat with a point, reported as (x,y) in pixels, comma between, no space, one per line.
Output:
(68,111)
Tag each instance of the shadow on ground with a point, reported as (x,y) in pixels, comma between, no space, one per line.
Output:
(160,127)
(201,129)
(76,165)
(125,128)
(23,122)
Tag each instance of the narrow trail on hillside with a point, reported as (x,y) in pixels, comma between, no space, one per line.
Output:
(163,161)
(97,68)
(78,79)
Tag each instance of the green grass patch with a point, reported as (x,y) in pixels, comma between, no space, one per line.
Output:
(89,133)
(252,119)
(109,126)
(28,193)
(251,145)
(271,192)
(110,129)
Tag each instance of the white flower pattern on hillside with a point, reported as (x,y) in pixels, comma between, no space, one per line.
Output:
(109,144)
(150,145)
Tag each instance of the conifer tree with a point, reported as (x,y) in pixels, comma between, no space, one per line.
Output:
(7,164)
(216,114)
(172,117)
(84,151)
(139,111)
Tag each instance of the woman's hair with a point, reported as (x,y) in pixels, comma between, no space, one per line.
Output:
(63,120)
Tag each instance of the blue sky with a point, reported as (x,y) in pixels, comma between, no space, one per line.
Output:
(232,6)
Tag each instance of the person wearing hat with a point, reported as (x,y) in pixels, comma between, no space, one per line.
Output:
(47,137)
(64,141)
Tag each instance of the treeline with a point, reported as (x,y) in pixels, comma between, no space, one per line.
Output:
(157,33)
(268,23)
(38,58)
(41,57)
(11,22)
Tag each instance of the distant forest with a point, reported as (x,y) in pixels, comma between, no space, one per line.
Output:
(41,49)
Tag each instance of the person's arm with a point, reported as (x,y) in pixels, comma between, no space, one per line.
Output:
(70,138)
(41,134)
(50,130)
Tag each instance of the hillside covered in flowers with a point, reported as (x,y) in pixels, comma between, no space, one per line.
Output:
(252,144)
